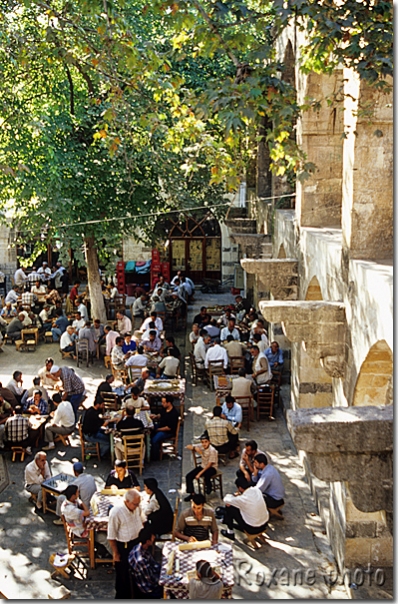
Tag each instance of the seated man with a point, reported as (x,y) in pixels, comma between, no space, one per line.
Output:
(261,369)
(165,426)
(123,323)
(230,330)
(36,472)
(28,299)
(46,321)
(153,318)
(194,335)
(246,464)
(39,288)
(241,386)
(144,568)
(201,348)
(137,360)
(207,468)
(105,386)
(129,346)
(139,308)
(216,353)
(121,477)
(203,318)
(129,425)
(86,333)
(135,401)
(151,327)
(169,365)
(247,510)
(117,356)
(5,413)
(222,434)
(36,404)
(63,421)
(36,386)
(141,381)
(275,356)
(8,311)
(75,511)
(15,385)
(232,411)
(268,480)
(92,424)
(59,325)
(16,431)
(153,344)
(86,485)
(196,523)
(169,342)
(15,327)
(212,329)
(233,347)
(68,341)
(79,322)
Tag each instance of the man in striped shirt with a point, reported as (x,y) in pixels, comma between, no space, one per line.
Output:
(16,431)
(196,523)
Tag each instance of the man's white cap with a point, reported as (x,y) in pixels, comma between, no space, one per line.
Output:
(54,369)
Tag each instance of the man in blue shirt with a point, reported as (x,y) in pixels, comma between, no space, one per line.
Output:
(232,411)
(275,356)
(144,568)
(268,480)
(61,323)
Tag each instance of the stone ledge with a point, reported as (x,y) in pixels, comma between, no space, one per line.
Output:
(277,275)
(353,444)
(251,244)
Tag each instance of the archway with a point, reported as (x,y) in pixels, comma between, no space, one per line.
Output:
(373,385)
(314,291)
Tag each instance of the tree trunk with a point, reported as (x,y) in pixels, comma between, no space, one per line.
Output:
(94,281)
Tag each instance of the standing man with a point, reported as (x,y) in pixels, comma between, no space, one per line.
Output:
(144,568)
(72,384)
(36,472)
(125,524)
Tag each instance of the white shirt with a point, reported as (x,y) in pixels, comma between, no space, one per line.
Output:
(169,366)
(64,415)
(158,322)
(216,353)
(241,386)
(200,351)
(137,360)
(19,277)
(33,474)
(123,524)
(124,325)
(43,315)
(225,333)
(83,311)
(251,505)
(27,320)
(12,296)
(66,340)
(39,290)
(264,377)
(73,516)
(78,324)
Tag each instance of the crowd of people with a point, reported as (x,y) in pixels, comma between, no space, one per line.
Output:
(57,392)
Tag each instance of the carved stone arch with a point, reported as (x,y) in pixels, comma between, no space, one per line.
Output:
(374,381)
(282,252)
(314,291)
(289,64)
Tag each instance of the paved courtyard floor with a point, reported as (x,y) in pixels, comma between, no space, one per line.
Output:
(296,562)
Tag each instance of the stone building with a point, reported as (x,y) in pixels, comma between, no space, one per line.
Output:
(322,275)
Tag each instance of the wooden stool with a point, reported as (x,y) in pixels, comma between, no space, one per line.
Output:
(251,540)
(31,345)
(107,362)
(33,498)
(18,451)
(19,345)
(64,570)
(48,337)
(276,513)
(67,355)
(64,438)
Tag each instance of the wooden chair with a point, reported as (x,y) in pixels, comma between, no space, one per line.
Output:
(246,402)
(82,352)
(107,362)
(196,370)
(276,382)
(29,343)
(111,400)
(120,374)
(216,480)
(171,536)
(87,447)
(134,451)
(170,446)
(215,368)
(134,372)
(236,363)
(265,403)
(64,438)
(81,546)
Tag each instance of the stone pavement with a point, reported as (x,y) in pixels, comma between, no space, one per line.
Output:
(296,563)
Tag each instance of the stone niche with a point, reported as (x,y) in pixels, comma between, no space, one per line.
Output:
(279,276)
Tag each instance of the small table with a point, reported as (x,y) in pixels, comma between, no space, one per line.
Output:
(55,485)
(177,584)
(36,425)
(176,388)
(31,331)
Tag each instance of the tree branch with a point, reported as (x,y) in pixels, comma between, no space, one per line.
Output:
(71,90)
(215,31)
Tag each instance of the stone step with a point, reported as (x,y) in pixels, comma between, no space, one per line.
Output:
(242,225)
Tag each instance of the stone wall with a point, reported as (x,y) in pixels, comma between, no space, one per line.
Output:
(8,255)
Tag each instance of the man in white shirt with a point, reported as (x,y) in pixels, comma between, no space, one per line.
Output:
(201,347)
(75,511)
(12,296)
(216,353)
(82,309)
(248,510)
(86,485)
(139,308)
(35,473)
(123,323)
(230,330)
(125,522)
(38,288)
(157,320)
(20,277)
(79,322)
(241,385)
(67,342)
(110,339)
(169,365)
(233,347)
(45,272)
(63,421)
(45,317)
